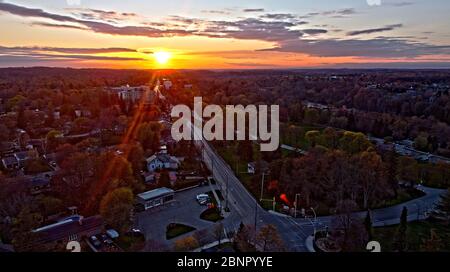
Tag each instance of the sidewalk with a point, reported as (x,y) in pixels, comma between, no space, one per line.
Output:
(213,244)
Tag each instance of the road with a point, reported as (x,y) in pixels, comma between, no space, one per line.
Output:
(294,231)
(246,208)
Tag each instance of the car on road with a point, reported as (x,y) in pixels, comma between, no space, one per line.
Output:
(202,199)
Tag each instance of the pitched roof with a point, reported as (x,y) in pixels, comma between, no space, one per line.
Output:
(165,158)
(71,226)
(11,160)
(23,155)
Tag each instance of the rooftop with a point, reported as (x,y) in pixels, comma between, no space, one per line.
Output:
(155,193)
(69,226)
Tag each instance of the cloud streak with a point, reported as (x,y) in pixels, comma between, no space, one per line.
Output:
(374,30)
(253,10)
(373,48)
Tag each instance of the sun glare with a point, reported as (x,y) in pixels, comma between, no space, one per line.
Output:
(162,57)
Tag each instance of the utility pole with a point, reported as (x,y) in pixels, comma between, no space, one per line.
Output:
(295,204)
(256,203)
(256,218)
(315,219)
(226,200)
(262,187)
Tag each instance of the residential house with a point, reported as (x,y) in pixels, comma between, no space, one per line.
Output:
(22,157)
(162,161)
(39,185)
(253,167)
(73,228)
(167,84)
(10,162)
(7,148)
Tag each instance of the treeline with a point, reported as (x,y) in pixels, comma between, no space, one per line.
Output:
(398,104)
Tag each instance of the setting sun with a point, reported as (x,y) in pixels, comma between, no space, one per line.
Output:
(162,57)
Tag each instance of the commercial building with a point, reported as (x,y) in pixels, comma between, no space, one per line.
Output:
(155,198)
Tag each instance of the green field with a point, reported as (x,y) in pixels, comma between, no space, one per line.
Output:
(416,234)
(174,230)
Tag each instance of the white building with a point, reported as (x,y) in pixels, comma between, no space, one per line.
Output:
(162,161)
(167,84)
(155,198)
(134,94)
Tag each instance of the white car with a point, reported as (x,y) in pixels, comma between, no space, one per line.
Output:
(202,199)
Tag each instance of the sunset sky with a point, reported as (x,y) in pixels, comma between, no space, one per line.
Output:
(226,34)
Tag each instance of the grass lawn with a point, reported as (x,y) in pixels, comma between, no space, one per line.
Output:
(404,195)
(174,230)
(212,215)
(130,242)
(416,233)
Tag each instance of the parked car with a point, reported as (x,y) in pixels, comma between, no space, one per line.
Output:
(202,199)
(95,241)
(113,234)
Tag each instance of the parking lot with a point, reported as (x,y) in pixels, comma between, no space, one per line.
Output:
(183,210)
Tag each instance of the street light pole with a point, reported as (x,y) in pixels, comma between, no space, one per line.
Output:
(315,219)
(226,201)
(418,210)
(256,217)
(295,204)
(256,202)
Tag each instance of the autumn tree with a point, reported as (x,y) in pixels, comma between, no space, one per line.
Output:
(51,140)
(372,179)
(164,179)
(348,228)
(432,244)
(243,239)
(186,244)
(269,239)
(135,154)
(148,134)
(116,207)
(218,232)
(353,142)
(245,149)
(24,238)
(49,205)
(311,116)
(408,170)
(312,137)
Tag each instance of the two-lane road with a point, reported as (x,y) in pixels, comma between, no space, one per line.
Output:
(295,231)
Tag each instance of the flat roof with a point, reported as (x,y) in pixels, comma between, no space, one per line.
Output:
(155,193)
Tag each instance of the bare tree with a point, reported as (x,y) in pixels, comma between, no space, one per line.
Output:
(349,230)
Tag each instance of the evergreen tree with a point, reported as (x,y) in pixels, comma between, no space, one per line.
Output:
(368,225)
(400,242)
